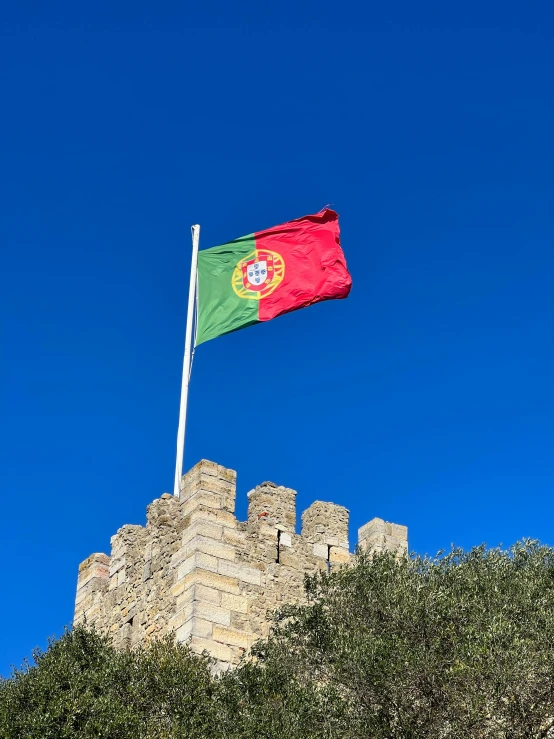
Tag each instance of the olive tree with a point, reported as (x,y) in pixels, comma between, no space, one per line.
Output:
(459,646)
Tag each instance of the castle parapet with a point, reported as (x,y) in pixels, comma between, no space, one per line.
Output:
(326,523)
(325,526)
(197,572)
(216,483)
(272,505)
(378,536)
(92,582)
(164,511)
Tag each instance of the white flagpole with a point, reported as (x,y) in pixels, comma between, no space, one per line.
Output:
(187,363)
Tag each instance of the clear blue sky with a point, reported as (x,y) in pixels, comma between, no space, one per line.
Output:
(426,398)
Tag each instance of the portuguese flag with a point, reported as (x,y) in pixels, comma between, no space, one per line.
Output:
(265,274)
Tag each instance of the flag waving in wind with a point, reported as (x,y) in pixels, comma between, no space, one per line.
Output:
(256,278)
(265,274)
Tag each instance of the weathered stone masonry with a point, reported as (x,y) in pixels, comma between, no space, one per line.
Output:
(198,571)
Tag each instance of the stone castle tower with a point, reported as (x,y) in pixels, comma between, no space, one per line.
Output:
(196,570)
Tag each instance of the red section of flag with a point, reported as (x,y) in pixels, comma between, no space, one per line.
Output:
(315,267)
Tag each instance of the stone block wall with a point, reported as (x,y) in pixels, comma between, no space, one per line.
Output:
(196,570)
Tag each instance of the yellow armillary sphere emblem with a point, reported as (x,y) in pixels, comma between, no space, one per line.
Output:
(258,274)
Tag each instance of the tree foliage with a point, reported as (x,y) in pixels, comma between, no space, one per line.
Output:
(456,646)
(453,647)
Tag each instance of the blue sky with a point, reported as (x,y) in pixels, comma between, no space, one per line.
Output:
(426,398)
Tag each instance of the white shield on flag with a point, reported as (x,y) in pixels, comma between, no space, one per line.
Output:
(257,273)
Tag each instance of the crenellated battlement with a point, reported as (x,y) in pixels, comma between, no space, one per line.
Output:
(273,505)
(196,570)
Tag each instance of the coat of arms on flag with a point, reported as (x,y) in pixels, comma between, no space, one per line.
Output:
(258,274)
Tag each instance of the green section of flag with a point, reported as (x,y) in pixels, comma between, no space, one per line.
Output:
(220,309)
